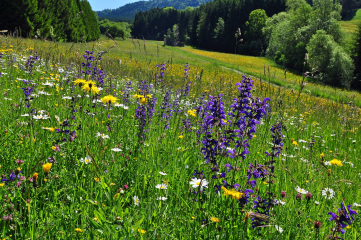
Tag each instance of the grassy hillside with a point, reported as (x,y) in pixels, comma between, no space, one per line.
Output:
(350,26)
(132,142)
(215,67)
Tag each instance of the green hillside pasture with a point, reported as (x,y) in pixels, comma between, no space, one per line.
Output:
(75,165)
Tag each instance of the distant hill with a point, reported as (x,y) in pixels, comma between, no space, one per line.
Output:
(128,11)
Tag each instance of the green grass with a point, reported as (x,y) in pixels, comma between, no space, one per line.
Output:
(93,197)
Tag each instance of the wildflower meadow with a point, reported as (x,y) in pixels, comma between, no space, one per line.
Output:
(104,144)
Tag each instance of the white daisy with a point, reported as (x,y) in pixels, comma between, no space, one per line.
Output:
(162,186)
(85,160)
(163,173)
(44,93)
(196,183)
(116,149)
(42,112)
(101,135)
(38,117)
(48,84)
(328,193)
(300,190)
(66,97)
(356,205)
(162,198)
(25,115)
(57,118)
(278,228)
(121,105)
(317,203)
(136,200)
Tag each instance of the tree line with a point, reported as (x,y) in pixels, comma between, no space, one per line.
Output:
(115,29)
(128,11)
(60,20)
(210,26)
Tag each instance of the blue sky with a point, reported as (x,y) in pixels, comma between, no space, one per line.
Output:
(98,5)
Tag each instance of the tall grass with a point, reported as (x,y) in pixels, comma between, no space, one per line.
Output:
(145,151)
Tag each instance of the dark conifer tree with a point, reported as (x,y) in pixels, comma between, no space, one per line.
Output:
(64,20)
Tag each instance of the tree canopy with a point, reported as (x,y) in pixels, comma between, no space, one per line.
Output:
(61,20)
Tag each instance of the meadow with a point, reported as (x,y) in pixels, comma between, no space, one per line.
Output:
(132,140)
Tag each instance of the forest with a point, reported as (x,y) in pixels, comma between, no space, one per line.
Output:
(128,11)
(197,26)
(60,20)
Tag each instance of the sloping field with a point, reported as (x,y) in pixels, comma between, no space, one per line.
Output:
(135,141)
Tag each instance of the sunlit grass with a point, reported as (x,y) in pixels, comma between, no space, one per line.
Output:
(143,191)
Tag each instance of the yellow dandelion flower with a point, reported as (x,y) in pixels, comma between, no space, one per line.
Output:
(214,219)
(180,136)
(79,82)
(78,230)
(294,143)
(46,168)
(141,231)
(2,184)
(90,87)
(192,112)
(336,162)
(97,179)
(112,184)
(109,99)
(143,100)
(138,96)
(322,155)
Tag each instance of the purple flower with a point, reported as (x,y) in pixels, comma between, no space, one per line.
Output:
(343,218)
(12,177)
